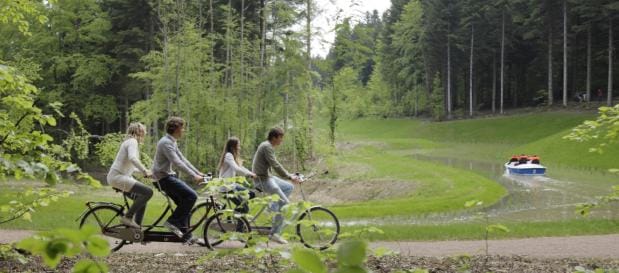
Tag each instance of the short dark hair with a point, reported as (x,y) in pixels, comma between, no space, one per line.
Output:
(174,123)
(275,133)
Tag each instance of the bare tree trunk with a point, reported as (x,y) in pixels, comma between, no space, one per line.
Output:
(448,100)
(588,98)
(502,62)
(211,14)
(179,8)
(242,43)
(471,72)
(609,100)
(228,75)
(310,102)
(550,91)
(493,81)
(263,30)
(564,52)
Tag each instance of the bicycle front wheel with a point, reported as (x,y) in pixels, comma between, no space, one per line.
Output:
(199,214)
(225,230)
(105,218)
(318,228)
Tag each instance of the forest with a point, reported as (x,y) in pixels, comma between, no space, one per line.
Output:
(238,67)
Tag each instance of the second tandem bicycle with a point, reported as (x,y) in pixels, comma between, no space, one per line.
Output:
(315,226)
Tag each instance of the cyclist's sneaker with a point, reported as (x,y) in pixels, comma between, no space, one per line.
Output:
(278,239)
(128,222)
(173,229)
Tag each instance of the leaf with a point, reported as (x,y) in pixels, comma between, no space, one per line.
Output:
(89,266)
(27,216)
(308,260)
(53,252)
(98,246)
(497,227)
(472,203)
(383,251)
(352,253)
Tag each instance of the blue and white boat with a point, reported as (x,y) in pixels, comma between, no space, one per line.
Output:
(525,165)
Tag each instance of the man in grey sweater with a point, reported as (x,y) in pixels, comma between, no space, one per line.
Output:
(184,197)
(264,160)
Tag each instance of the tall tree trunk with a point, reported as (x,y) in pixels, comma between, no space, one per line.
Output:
(502,63)
(448,100)
(228,76)
(211,15)
(493,81)
(564,52)
(609,100)
(471,71)
(310,99)
(242,53)
(179,9)
(588,98)
(263,32)
(550,91)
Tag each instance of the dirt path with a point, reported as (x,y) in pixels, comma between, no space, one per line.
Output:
(595,246)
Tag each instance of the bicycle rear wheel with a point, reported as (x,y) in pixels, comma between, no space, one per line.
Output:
(105,218)
(318,228)
(224,230)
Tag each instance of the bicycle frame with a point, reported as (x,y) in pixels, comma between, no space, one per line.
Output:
(148,234)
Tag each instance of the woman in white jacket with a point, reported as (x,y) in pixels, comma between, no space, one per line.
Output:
(230,166)
(120,176)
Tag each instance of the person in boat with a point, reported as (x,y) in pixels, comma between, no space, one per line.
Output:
(535,159)
(523,159)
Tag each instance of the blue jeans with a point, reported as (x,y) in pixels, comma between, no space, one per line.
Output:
(183,196)
(276,185)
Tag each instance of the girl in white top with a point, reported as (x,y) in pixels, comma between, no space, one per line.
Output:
(230,166)
(120,176)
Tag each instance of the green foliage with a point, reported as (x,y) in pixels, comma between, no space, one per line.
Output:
(605,129)
(28,201)
(27,151)
(351,256)
(20,12)
(483,215)
(52,246)
(437,101)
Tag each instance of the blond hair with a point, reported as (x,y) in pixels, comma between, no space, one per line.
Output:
(136,130)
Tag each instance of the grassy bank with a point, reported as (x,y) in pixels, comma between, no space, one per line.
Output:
(489,138)
(475,231)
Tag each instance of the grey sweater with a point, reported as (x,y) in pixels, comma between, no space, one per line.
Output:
(168,154)
(264,160)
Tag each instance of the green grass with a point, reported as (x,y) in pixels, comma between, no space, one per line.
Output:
(517,129)
(492,139)
(475,231)
(438,188)
(64,212)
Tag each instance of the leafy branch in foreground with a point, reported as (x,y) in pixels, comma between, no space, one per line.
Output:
(489,228)
(53,246)
(605,129)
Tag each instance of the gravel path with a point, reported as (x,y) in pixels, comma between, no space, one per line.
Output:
(595,246)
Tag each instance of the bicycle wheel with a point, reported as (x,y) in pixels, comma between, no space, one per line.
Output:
(223,230)
(105,218)
(199,215)
(318,228)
